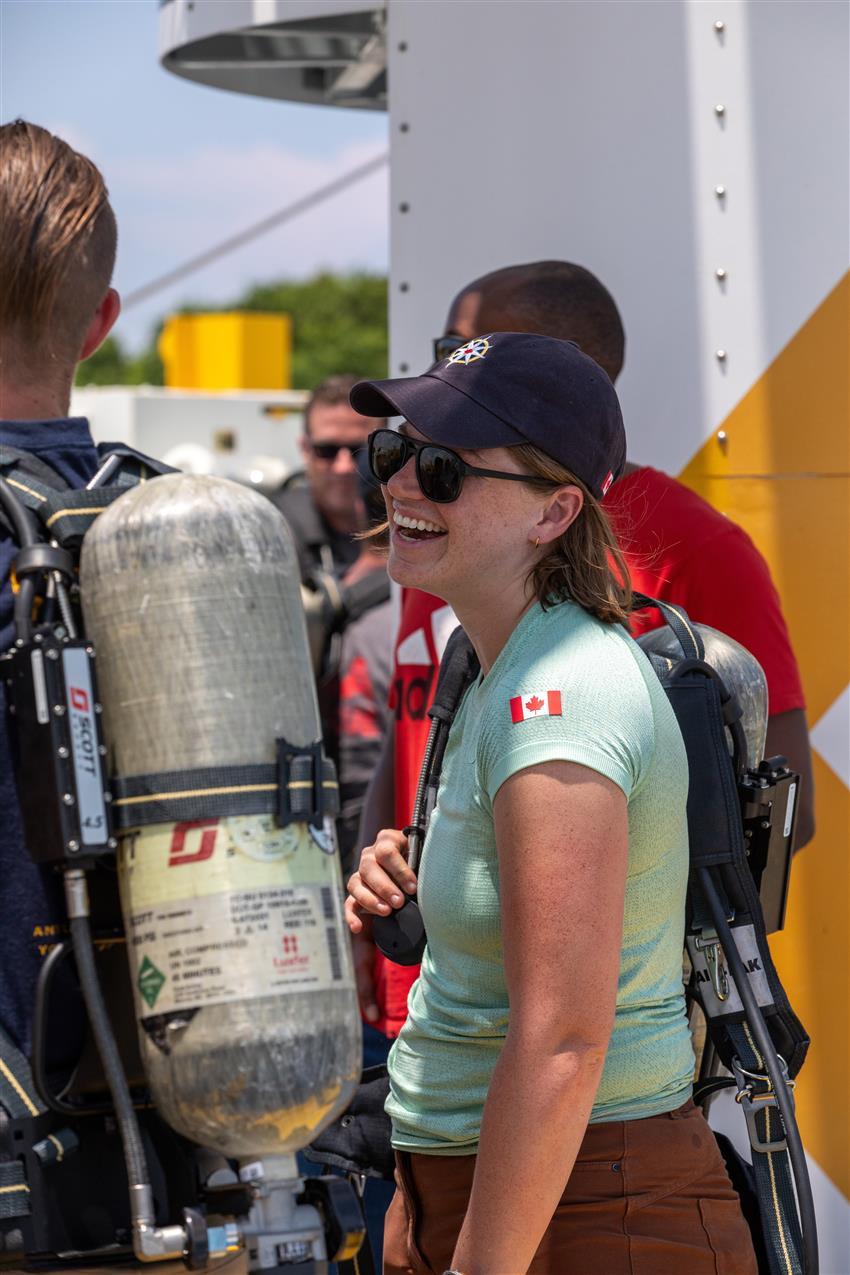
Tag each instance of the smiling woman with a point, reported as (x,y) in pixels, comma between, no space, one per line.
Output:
(540,1088)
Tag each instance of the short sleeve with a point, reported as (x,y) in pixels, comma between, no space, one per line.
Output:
(598,715)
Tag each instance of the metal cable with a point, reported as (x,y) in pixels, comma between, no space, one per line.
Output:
(304,204)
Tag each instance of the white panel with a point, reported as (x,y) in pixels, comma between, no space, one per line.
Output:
(587,131)
(779,151)
(831,736)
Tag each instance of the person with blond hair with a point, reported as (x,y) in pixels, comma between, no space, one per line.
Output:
(57,254)
(540,1088)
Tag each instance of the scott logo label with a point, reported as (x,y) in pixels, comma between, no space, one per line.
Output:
(186,847)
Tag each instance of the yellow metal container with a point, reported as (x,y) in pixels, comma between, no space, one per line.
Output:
(235,350)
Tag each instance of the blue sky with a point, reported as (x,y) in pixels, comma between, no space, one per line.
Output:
(188,165)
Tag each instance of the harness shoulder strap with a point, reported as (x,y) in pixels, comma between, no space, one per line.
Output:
(32,480)
(65,512)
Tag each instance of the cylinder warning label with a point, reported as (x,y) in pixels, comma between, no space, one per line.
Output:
(241,927)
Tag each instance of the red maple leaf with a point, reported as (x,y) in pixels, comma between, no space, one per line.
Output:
(534,704)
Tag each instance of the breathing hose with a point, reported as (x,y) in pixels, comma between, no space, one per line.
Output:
(150,1243)
(77,901)
(414,832)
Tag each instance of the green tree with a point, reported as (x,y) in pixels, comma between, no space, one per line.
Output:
(112,365)
(107,366)
(339,324)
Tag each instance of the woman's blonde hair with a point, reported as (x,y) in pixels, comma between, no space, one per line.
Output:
(585,563)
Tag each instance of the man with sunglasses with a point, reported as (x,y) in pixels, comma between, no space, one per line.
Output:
(326,506)
(323,505)
(678,547)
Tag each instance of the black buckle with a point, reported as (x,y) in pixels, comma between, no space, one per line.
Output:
(755,1094)
(308,791)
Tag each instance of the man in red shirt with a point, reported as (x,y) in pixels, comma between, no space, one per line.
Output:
(678,548)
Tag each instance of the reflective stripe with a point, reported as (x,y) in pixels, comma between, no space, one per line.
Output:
(197,792)
(10,1076)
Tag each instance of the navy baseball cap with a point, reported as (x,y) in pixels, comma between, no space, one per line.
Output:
(510,388)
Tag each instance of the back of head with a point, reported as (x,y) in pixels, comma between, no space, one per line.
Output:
(57,248)
(553,298)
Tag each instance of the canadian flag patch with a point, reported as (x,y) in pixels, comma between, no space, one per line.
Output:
(535,704)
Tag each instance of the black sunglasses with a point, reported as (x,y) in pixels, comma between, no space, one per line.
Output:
(439,471)
(330,451)
(446,345)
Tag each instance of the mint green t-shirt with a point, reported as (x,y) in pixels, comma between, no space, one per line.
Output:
(614,718)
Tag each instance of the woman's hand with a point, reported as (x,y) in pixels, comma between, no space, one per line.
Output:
(382,880)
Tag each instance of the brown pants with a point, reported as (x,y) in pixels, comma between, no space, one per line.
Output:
(646,1197)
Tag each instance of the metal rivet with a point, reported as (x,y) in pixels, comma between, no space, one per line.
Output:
(720,192)
(112,843)
(101,748)
(720,109)
(720,355)
(68,798)
(404,367)
(404,128)
(720,273)
(73,846)
(722,438)
(39,637)
(52,653)
(404,208)
(98,708)
(90,650)
(404,287)
(719,26)
(62,751)
(59,710)
(107,797)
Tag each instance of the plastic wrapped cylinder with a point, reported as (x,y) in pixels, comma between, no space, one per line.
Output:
(740,671)
(240,964)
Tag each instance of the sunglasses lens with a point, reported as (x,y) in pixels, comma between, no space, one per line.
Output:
(387,454)
(446,345)
(325,451)
(440,475)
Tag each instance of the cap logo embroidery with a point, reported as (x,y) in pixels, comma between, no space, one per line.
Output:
(609,478)
(471,352)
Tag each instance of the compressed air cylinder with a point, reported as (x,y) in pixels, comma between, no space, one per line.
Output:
(240,964)
(740,671)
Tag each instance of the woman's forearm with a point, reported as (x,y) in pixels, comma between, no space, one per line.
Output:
(535,1117)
